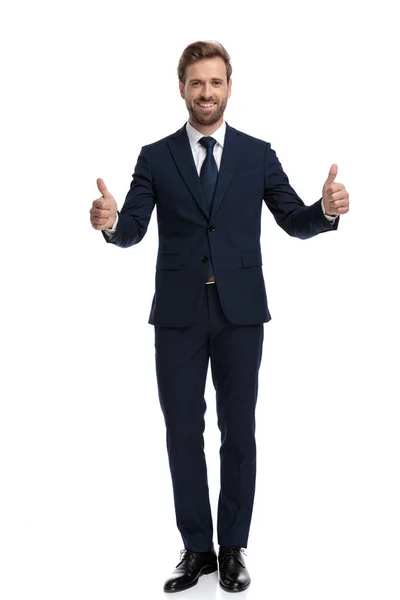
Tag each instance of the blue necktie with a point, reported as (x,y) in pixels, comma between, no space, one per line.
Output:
(208,178)
(209,170)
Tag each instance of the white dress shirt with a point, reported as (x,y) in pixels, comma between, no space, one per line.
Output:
(199,154)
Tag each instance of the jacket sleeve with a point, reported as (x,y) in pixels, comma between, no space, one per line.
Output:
(288,209)
(135,214)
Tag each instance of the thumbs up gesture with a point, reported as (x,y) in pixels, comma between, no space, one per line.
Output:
(104,209)
(335,196)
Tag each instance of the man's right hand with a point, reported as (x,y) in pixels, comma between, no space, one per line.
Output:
(104,209)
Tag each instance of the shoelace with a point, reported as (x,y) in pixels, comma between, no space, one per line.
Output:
(232,553)
(187,554)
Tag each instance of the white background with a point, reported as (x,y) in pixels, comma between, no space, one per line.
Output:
(86,498)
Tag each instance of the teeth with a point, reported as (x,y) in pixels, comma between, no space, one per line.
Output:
(206,105)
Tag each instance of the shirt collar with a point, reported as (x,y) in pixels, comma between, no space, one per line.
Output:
(194,135)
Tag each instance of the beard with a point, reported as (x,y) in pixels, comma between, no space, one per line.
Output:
(197,116)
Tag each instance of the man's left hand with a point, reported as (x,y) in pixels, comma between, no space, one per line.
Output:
(335,196)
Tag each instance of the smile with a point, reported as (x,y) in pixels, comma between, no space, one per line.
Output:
(206,104)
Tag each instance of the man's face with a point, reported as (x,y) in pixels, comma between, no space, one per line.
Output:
(206,91)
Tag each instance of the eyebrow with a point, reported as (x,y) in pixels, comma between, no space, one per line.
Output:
(212,79)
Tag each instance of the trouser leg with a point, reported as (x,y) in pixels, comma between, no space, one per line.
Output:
(235,354)
(181,367)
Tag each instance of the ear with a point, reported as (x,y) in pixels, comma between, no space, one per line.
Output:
(229,88)
(182,89)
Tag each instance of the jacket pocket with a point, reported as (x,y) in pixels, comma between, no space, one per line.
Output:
(169,262)
(252,258)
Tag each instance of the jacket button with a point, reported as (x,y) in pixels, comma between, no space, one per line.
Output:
(211,228)
(204,259)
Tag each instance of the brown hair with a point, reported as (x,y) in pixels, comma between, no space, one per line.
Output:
(199,50)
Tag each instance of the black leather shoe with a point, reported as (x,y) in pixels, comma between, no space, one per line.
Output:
(191,566)
(233,575)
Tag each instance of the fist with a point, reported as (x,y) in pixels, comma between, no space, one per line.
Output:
(335,196)
(104,210)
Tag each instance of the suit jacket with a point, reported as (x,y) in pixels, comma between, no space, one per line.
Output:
(250,172)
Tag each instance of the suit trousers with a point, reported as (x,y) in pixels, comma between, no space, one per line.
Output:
(182,356)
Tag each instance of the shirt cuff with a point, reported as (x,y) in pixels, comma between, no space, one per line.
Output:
(114,227)
(330,218)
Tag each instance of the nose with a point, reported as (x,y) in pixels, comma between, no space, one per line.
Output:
(207,90)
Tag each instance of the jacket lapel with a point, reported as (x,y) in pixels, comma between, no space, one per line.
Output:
(230,157)
(183,157)
(182,153)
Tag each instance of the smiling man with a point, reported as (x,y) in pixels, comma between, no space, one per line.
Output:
(209,181)
(206,87)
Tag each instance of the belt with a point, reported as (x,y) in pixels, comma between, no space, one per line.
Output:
(211,279)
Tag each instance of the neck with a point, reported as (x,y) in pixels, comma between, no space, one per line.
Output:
(207,129)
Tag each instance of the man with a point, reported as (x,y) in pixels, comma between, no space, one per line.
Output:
(208,181)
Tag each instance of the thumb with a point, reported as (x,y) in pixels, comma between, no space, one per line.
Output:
(102,188)
(332,173)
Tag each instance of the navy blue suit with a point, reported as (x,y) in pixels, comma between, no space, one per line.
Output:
(222,323)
